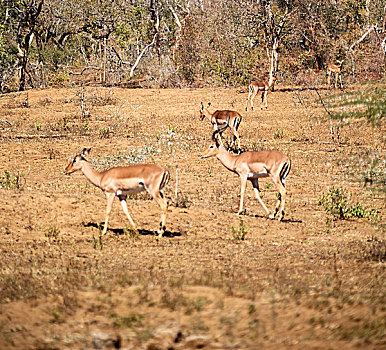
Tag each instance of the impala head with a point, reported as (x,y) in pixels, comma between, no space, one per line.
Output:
(213,149)
(76,163)
(204,111)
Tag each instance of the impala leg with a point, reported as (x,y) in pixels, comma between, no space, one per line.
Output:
(281,201)
(243,187)
(159,198)
(264,98)
(252,98)
(236,137)
(340,80)
(328,79)
(283,195)
(110,200)
(249,96)
(122,199)
(255,184)
(336,80)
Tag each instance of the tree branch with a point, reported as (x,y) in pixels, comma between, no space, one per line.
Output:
(141,54)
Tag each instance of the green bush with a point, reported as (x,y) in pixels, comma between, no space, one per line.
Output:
(240,232)
(12,181)
(337,202)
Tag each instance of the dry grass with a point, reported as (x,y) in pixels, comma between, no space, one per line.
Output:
(295,284)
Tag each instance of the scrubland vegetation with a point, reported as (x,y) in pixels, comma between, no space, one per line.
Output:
(215,280)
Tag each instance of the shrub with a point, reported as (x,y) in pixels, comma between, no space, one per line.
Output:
(12,181)
(240,232)
(104,132)
(337,202)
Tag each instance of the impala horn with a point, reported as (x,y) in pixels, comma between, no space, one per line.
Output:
(220,130)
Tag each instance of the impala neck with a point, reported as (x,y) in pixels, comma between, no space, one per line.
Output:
(226,158)
(93,176)
(210,116)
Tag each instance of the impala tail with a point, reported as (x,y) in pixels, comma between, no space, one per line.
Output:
(164,181)
(285,171)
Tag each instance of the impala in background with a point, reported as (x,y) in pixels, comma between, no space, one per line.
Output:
(337,70)
(254,89)
(219,118)
(121,181)
(251,166)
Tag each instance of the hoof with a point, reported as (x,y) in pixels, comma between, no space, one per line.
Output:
(281,216)
(161,230)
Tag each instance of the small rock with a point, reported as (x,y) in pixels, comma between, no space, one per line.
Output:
(102,341)
(197,341)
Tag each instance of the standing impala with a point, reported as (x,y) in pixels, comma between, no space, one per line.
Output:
(218,118)
(254,89)
(337,70)
(121,181)
(252,166)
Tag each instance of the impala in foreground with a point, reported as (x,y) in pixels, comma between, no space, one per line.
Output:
(251,166)
(121,181)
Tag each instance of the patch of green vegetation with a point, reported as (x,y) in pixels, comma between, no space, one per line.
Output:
(131,234)
(57,316)
(368,329)
(239,233)
(52,232)
(279,134)
(174,301)
(104,132)
(97,243)
(337,202)
(11,181)
(131,321)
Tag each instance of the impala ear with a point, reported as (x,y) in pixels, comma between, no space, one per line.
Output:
(85,152)
(202,106)
(209,103)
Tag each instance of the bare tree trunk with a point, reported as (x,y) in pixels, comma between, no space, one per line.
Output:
(31,14)
(273,62)
(140,56)
(104,60)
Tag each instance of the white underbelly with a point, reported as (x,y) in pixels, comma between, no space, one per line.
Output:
(130,191)
(257,175)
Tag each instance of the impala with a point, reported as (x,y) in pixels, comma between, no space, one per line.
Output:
(218,118)
(254,89)
(337,70)
(121,181)
(252,166)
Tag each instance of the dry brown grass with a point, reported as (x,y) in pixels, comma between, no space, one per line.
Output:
(302,283)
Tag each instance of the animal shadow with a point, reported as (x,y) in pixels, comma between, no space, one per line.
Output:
(284,220)
(142,232)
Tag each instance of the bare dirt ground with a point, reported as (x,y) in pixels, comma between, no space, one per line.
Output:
(305,282)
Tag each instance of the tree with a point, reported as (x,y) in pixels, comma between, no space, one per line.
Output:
(28,14)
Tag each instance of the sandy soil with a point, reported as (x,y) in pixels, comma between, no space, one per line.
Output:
(307,282)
